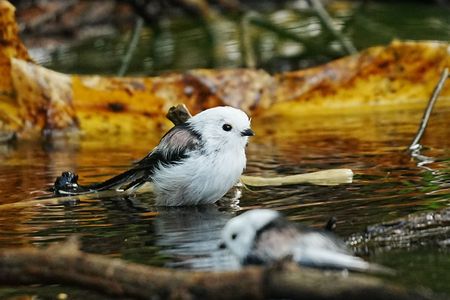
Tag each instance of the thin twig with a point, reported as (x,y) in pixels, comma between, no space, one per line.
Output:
(328,23)
(131,47)
(426,116)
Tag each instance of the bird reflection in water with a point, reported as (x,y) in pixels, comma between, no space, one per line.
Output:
(191,234)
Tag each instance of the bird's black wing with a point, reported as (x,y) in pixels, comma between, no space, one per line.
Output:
(280,238)
(174,147)
(272,242)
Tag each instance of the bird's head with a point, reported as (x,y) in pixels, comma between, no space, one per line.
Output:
(239,233)
(223,125)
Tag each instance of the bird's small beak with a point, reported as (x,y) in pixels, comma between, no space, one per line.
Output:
(222,245)
(247,132)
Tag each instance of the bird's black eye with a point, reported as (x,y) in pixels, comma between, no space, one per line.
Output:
(227,127)
(234,236)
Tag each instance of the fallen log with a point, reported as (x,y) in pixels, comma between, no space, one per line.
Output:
(65,264)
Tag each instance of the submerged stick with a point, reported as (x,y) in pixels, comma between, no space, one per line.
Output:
(66,264)
(61,200)
(415,144)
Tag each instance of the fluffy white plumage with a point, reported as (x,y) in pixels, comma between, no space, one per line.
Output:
(196,162)
(210,170)
(264,236)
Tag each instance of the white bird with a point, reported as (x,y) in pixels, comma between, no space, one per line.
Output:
(195,163)
(263,236)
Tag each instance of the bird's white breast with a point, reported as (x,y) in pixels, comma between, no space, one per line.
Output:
(201,178)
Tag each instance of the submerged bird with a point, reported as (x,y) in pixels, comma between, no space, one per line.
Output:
(263,236)
(196,162)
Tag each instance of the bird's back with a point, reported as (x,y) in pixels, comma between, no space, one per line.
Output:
(306,246)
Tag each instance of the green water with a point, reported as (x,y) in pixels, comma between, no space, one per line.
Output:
(182,44)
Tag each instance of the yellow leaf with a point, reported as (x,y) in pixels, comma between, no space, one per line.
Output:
(10,46)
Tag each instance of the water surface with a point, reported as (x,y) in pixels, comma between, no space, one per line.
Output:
(388,184)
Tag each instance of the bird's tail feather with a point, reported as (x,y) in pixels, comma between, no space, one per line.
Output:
(123,181)
(67,183)
(333,260)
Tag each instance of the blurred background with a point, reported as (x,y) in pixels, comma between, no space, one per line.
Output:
(148,37)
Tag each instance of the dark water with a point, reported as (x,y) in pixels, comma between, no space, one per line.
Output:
(287,39)
(388,184)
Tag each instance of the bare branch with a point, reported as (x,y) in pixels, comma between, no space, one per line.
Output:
(415,145)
